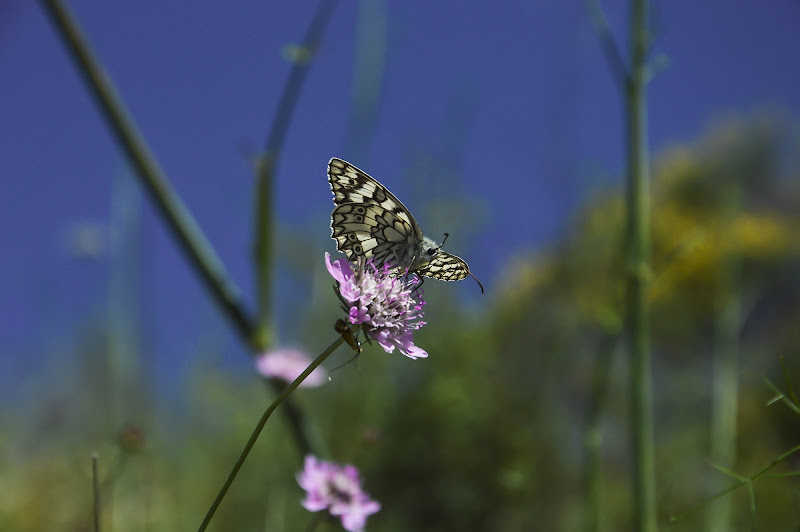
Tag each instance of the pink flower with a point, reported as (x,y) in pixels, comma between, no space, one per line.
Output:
(337,489)
(287,364)
(382,302)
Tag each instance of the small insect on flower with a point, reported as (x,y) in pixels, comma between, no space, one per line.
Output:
(382,303)
(337,489)
(343,329)
(369,221)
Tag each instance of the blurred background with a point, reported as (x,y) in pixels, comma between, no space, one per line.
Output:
(500,124)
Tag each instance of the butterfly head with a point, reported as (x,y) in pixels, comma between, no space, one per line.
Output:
(428,249)
(431,261)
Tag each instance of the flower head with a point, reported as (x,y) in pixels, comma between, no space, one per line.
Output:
(336,488)
(287,364)
(384,303)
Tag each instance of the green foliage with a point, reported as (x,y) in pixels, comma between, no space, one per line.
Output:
(488,433)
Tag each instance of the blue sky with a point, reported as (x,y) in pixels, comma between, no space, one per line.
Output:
(514,98)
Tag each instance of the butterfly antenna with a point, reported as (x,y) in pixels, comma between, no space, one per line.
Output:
(347,363)
(445,239)
(419,284)
(476,280)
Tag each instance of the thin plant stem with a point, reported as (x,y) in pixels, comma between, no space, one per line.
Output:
(748,480)
(296,419)
(95,493)
(260,426)
(593,436)
(792,397)
(780,396)
(725,378)
(638,258)
(608,44)
(179,220)
(263,237)
(634,79)
(265,167)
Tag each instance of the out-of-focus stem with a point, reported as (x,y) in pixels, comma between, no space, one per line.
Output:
(201,255)
(593,436)
(263,234)
(95,492)
(725,377)
(638,259)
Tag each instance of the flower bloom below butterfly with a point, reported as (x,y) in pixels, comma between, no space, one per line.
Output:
(337,489)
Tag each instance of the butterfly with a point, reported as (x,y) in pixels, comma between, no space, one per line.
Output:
(369,221)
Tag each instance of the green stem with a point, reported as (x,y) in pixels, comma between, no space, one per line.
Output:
(725,378)
(96,492)
(260,426)
(296,419)
(739,484)
(593,436)
(179,220)
(638,251)
(602,30)
(265,169)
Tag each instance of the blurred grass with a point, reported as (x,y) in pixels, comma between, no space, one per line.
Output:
(486,434)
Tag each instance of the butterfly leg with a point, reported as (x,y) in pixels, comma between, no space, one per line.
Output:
(419,284)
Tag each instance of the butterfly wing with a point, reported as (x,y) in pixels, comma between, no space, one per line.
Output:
(369,220)
(351,185)
(445,267)
(369,230)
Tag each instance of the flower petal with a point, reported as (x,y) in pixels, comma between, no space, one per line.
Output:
(414,352)
(340,269)
(358,315)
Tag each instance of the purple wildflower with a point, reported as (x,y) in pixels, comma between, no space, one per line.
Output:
(384,303)
(336,488)
(287,364)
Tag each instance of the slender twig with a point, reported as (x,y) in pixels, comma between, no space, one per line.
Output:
(784,475)
(184,228)
(291,91)
(638,257)
(264,210)
(607,42)
(296,419)
(789,388)
(780,396)
(265,166)
(259,427)
(725,368)
(739,484)
(593,436)
(96,492)
(633,80)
